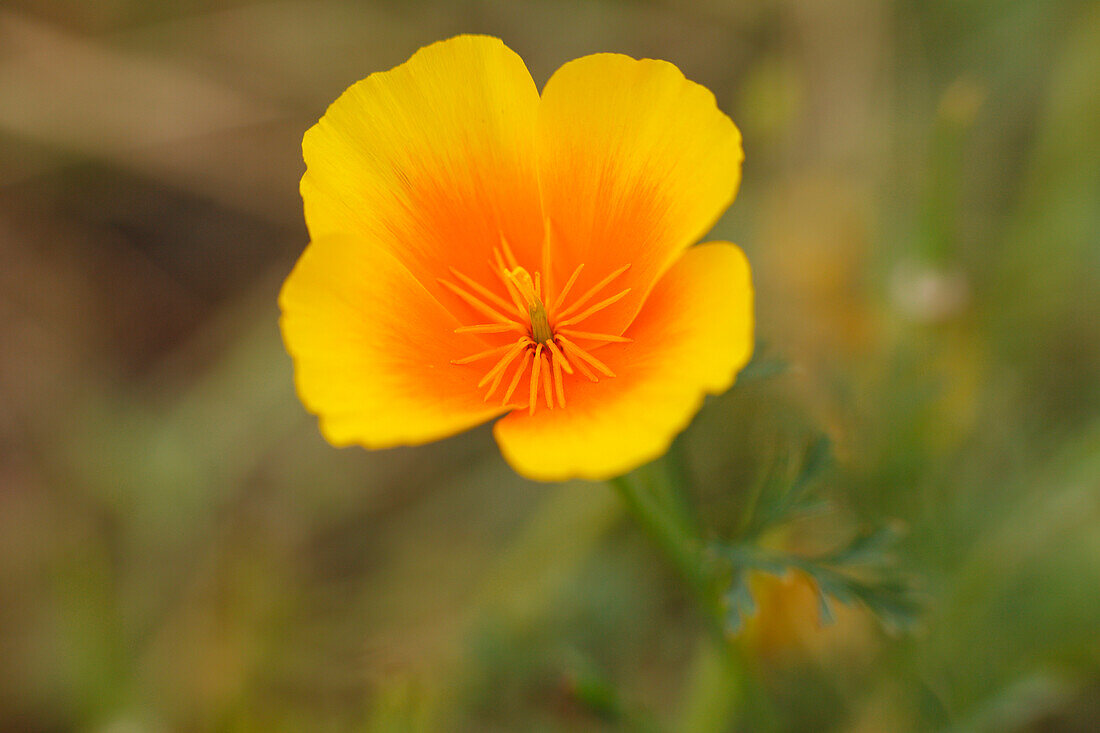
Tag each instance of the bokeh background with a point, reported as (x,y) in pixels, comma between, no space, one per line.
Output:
(181,551)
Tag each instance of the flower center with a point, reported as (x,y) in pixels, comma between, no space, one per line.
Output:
(541,332)
(548,344)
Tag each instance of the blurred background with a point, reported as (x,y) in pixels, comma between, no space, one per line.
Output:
(181,551)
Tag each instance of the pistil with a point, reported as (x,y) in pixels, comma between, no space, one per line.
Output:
(541,333)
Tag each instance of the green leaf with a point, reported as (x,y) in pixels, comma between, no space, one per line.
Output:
(862,571)
(780,498)
(740,605)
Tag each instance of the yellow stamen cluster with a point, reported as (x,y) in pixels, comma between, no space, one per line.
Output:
(547,344)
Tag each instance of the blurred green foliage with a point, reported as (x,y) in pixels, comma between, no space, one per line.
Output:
(180,550)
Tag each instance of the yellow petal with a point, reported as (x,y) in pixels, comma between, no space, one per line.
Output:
(372,349)
(432,161)
(692,336)
(636,164)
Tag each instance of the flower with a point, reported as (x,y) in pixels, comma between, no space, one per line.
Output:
(479,250)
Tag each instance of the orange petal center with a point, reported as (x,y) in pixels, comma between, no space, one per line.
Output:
(547,345)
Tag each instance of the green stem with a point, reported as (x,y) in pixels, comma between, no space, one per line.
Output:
(672,534)
(654,497)
(655,502)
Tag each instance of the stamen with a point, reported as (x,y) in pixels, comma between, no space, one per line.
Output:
(595,336)
(505,360)
(481,289)
(594,309)
(524,284)
(559,384)
(568,348)
(599,365)
(592,291)
(473,301)
(536,311)
(500,375)
(549,352)
(496,382)
(546,388)
(492,328)
(481,355)
(568,284)
(558,355)
(512,261)
(535,379)
(502,272)
(517,376)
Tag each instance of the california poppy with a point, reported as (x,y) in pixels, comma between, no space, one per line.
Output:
(479,250)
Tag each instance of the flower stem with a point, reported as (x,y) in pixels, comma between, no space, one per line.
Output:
(654,498)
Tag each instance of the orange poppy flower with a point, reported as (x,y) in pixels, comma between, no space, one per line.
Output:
(479,250)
